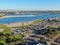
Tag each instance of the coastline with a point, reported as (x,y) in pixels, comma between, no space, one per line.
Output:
(13,24)
(18,24)
(16,16)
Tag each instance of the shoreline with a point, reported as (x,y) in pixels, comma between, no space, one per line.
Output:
(18,24)
(16,16)
(12,24)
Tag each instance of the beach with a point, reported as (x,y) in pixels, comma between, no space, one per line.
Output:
(14,24)
(9,16)
(18,20)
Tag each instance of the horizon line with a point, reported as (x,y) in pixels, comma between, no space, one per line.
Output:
(26,10)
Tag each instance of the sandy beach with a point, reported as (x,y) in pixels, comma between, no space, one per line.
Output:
(7,17)
(16,16)
(18,24)
(13,24)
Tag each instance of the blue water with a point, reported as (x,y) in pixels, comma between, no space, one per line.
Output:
(26,18)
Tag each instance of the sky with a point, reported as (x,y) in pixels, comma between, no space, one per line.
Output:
(29,4)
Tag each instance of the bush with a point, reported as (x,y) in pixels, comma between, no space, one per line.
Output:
(6,29)
(2,43)
(36,21)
